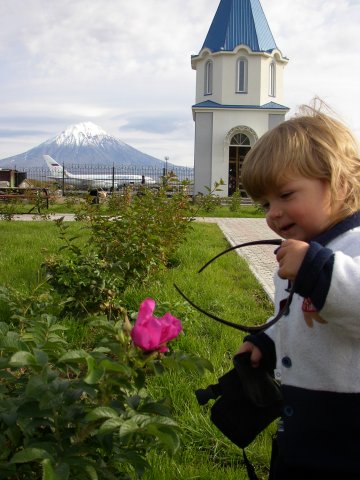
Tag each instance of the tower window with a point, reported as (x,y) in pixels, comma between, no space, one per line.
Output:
(272,79)
(241,75)
(240,139)
(208,78)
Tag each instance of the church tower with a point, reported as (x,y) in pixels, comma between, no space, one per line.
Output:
(239,92)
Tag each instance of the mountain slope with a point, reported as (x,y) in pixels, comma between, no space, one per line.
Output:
(83,144)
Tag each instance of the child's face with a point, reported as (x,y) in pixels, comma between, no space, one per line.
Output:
(299,208)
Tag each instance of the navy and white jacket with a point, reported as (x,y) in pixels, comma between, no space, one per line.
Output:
(319,365)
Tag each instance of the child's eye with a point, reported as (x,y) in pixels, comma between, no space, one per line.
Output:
(265,206)
(286,195)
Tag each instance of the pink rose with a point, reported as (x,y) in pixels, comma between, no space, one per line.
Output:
(152,333)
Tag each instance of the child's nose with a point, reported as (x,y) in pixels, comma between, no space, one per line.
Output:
(274,212)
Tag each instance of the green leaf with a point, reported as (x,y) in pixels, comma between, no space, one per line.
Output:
(91,472)
(73,356)
(147,420)
(94,373)
(68,300)
(134,401)
(22,359)
(30,455)
(57,327)
(35,386)
(135,459)
(4,328)
(10,418)
(110,366)
(155,407)
(61,472)
(101,412)
(165,435)
(4,363)
(141,419)
(11,342)
(41,357)
(111,424)
(128,427)
(179,360)
(101,350)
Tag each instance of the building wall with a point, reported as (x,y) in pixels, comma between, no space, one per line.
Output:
(203,151)
(275,120)
(225,121)
(224,78)
(265,80)
(213,133)
(229,94)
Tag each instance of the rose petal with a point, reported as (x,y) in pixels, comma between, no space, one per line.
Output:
(146,310)
(147,336)
(171,327)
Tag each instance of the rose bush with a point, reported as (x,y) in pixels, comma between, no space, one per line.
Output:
(81,414)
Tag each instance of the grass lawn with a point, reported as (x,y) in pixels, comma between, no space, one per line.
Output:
(23,248)
(227,288)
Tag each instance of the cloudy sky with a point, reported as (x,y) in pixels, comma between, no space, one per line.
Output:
(125,65)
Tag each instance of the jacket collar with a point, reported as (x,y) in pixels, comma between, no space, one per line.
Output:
(345,225)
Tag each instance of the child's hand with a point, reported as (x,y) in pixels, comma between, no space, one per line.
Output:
(256,354)
(290,256)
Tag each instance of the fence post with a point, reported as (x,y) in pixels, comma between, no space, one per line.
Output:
(113,177)
(63,180)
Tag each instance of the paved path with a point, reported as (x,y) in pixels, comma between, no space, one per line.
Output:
(261,259)
(28,217)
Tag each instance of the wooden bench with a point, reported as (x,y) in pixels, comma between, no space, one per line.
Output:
(39,197)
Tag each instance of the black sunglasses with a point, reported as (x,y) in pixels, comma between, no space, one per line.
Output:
(244,328)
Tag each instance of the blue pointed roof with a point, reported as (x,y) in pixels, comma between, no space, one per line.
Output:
(239,22)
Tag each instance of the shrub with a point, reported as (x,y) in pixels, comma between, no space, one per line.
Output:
(235,201)
(121,250)
(210,201)
(76,414)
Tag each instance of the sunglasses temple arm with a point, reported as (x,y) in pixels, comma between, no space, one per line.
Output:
(243,328)
(210,315)
(276,241)
(258,329)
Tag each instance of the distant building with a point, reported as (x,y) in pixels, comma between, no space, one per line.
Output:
(239,92)
(11,178)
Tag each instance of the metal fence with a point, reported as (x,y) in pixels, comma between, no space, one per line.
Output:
(84,177)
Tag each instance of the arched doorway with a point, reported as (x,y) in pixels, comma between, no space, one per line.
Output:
(238,148)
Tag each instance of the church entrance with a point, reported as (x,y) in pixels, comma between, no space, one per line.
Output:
(239,146)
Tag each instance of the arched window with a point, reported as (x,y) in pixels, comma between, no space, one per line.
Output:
(238,148)
(208,78)
(241,75)
(272,79)
(239,140)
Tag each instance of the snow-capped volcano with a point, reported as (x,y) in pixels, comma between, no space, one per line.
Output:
(83,144)
(80,134)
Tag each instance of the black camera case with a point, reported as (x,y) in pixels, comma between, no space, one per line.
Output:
(248,399)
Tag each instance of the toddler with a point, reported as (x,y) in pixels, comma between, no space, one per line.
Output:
(306,175)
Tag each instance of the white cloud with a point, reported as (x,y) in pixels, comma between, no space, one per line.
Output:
(126,66)
(321,39)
